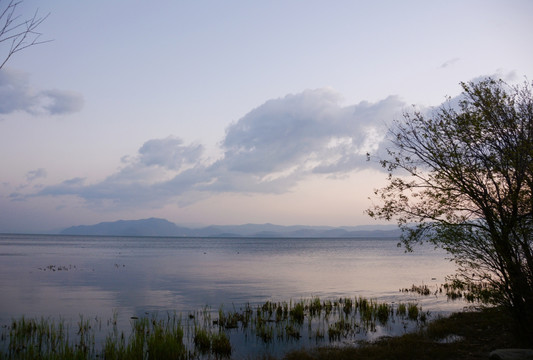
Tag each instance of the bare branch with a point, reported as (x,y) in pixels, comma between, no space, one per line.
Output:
(18,34)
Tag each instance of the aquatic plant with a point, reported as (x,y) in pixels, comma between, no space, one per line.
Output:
(203,333)
(419,289)
(412,311)
(348,305)
(264,331)
(382,313)
(220,344)
(401,310)
(339,329)
(202,340)
(297,313)
(315,306)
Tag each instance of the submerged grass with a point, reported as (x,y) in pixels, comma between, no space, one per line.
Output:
(464,335)
(200,336)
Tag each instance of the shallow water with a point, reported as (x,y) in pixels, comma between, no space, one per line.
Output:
(65,276)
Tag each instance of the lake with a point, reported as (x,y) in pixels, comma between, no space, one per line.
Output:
(64,276)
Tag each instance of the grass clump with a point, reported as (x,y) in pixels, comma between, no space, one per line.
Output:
(29,338)
(338,329)
(155,338)
(271,323)
(220,345)
(297,313)
(202,340)
(412,311)
(217,343)
(315,307)
(465,335)
(383,312)
(401,310)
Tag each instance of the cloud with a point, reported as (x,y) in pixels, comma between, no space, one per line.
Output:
(31,176)
(144,179)
(36,174)
(169,153)
(17,95)
(454,102)
(57,102)
(269,150)
(14,91)
(449,62)
(308,130)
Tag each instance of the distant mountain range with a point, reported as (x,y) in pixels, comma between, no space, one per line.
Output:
(162,227)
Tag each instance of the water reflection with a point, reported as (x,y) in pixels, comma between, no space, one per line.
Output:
(138,275)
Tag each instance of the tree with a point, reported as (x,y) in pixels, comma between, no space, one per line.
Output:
(15,33)
(462,179)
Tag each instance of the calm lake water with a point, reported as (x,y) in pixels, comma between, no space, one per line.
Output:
(65,276)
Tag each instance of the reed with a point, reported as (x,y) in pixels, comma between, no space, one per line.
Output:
(202,340)
(412,311)
(204,333)
(297,312)
(383,311)
(401,311)
(220,345)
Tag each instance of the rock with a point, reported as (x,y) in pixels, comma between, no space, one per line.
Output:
(511,354)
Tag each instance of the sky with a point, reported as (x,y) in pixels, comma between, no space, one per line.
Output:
(230,112)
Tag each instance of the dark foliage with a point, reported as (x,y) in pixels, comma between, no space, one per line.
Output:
(462,178)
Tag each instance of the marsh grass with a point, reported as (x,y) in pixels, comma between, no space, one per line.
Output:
(454,289)
(206,333)
(476,333)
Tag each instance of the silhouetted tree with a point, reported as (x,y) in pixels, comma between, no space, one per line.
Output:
(17,34)
(462,178)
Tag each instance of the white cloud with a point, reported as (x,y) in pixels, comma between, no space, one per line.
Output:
(299,129)
(169,153)
(270,150)
(17,95)
(56,102)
